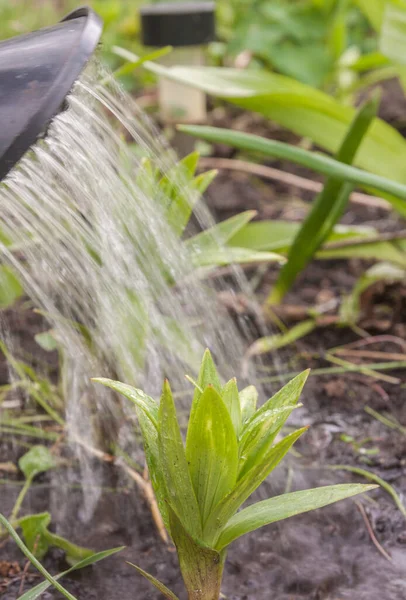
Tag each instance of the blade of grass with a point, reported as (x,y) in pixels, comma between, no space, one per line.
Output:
(372,477)
(317,162)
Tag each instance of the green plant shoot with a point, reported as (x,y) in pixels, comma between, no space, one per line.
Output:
(231,448)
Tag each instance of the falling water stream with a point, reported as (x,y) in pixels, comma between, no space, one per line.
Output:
(97,250)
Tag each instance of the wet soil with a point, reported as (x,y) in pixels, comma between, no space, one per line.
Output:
(336,553)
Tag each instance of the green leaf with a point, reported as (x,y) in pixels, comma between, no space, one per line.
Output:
(280,340)
(213,257)
(202,181)
(248,402)
(38,539)
(145,403)
(10,287)
(207,376)
(260,431)
(39,589)
(246,486)
(393,36)
(46,340)
(37,460)
(282,507)
(317,162)
(211,451)
(219,234)
(231,399)
(327,208)
(180,493)
(373,10)
(279,235)
(34,562)
(151,450)
(160,586)
(33,527)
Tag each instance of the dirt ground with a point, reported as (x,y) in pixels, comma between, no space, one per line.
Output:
(355,550)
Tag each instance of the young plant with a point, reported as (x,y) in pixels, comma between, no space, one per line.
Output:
(231,447)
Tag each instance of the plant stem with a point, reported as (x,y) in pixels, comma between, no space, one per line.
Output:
(20,498)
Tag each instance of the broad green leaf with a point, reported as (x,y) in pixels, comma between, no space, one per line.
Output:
(10,287)
(34,561)
(393,36)
(373,10)
(207,376)
(279,235)
(151,450)
(211,451)
(231,399)
(39,589)
(246,486)
(33,527)
(37,460)
(214,257)
(282,507)
(302,109)
(259,432)
(46,340)
(219,234)
(201,566)
(137,397)
(280,340)
(38,539)
(326,209)
(160,586)
(317,162)
(248,402)
(180,493)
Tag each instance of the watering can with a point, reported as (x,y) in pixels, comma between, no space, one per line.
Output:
(37,72)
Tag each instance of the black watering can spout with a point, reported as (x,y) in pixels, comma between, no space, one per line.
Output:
(37,72)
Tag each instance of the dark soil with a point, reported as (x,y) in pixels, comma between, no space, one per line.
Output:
(328,554)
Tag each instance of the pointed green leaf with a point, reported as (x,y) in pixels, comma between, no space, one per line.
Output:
(259,432)
(37,460)
(282,507)
(247,485)
(248,402)
(160,586)
(151,450)
(138,397)
(207,376)
(180,493)
(219,234)
(33,527)
(201,566)
(211,451)
(39,589)
(280,340)
(216,257)
(202,181)
(231,399)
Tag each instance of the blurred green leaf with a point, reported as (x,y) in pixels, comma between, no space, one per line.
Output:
(285,506)
(280,340)
(326,209)
(37,460)
(10,287)
(317,162)
(248,402)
